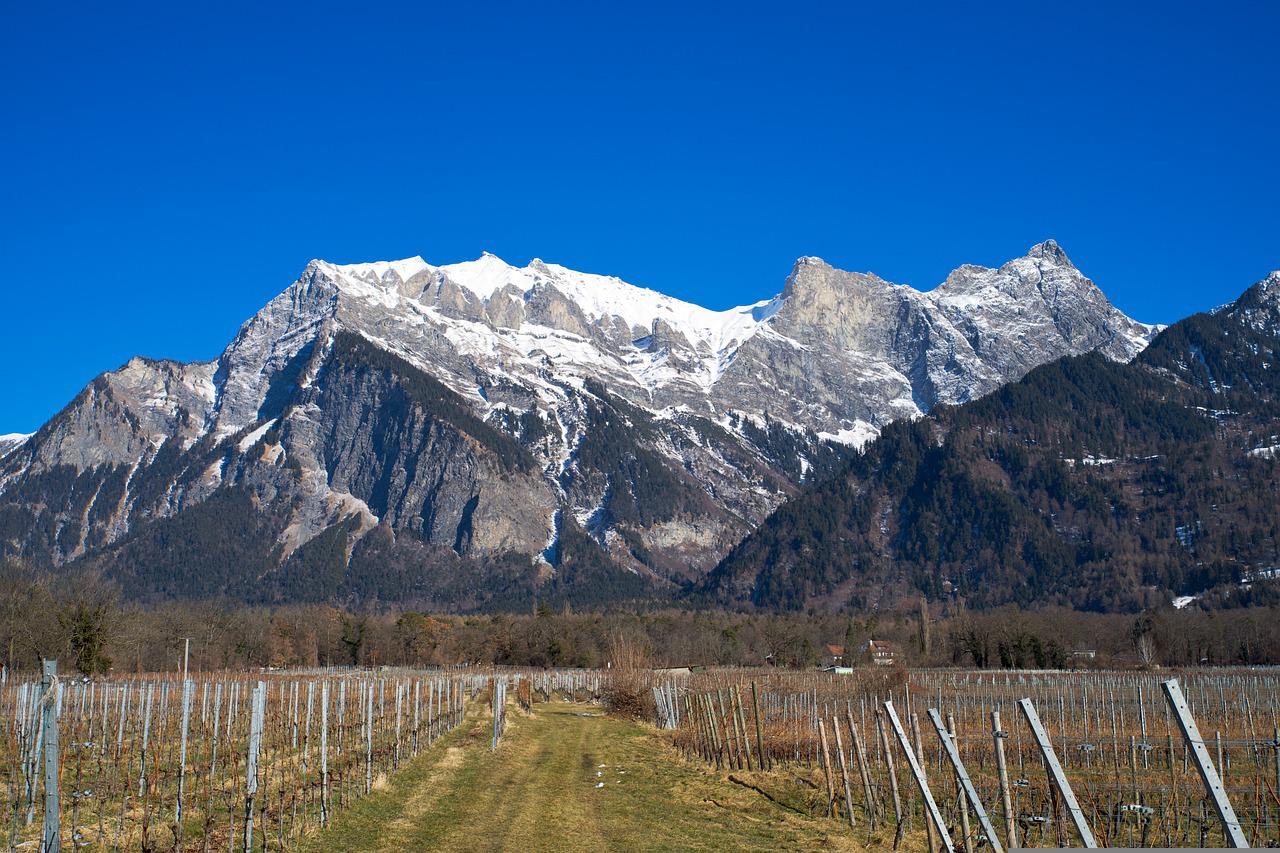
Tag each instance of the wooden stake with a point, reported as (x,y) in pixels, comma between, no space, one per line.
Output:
(826,768)
(844,769)
(893,775)
(1006,800)
(869,803)
(763,757)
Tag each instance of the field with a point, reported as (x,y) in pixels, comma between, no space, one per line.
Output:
(629,760)
(1113,735)
(568,777)
(216,762)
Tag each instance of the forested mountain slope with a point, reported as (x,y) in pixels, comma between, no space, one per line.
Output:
(1090,483)
(477,434)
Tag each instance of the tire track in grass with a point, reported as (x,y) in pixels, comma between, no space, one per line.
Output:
(539,792)
(560,808)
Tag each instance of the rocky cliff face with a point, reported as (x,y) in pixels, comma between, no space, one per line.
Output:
(487,430)
(1087,483)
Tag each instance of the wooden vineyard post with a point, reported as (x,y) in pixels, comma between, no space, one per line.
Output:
(146,738)
(691,713)
(499,712)
(1212,782)
(368,743)
(700,714)
(764,762)
(395,762)
(213,759)
(826,769)
(49,734)
(731,745)
(188,689)
(417,697)
(966,784)
(709,714)
(324,754)
(258,706)
(742,720)
(708,742)
(730,721)
(1055,771)
(888,760)
(863,771)
(1006,800)
(1275,746)
(917,772)
(844,769)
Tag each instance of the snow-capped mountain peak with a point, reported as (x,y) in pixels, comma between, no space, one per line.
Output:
(480,404)
(12,441)
(863,333)
(377,271)
(609,313)
(488,274)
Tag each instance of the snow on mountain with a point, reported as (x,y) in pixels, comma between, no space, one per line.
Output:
(1260,306)
(634,313)
(605,387)
(978,329)
(12,441)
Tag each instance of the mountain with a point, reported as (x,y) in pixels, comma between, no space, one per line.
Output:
(11,441)
(1089,483)
(463,435)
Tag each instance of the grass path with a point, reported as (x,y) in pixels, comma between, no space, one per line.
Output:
(560,781)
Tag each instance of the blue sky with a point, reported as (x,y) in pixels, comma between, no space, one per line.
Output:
(169,168)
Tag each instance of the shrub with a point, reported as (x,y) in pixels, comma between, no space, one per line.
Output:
(628,686)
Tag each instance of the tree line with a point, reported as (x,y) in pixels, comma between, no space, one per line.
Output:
(86,623)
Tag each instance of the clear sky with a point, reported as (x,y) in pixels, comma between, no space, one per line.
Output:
(169,168)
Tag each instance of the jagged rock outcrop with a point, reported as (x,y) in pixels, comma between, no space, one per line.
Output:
(1088,483)
(488,429)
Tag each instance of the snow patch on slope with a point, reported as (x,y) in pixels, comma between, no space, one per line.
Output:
(380,270)
(12,441)
(252,438)
(712,337)
(855,436)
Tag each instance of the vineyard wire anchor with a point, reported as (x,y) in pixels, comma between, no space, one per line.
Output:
(953,755)
(918,772)
(1055,770)
(1208,774)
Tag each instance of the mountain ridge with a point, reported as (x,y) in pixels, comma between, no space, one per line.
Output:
(1087,483)
(337,409)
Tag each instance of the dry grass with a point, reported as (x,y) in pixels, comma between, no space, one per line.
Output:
(560,781)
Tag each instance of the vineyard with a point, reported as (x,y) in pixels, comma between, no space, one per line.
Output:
(924,759)
(220,761)
(1003,759)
